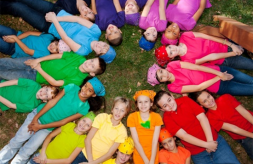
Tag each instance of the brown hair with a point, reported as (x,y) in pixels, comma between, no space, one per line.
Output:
(151,109)
(116,41)
(55,90)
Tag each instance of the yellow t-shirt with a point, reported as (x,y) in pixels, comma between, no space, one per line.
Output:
(106,135)
(65,143)
(110,161)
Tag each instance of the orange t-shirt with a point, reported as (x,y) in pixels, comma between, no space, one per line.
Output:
(174,158)
(145,135)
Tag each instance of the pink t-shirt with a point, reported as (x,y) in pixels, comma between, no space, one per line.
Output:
(190,77)
(198,48)
(153,18)
(183,12)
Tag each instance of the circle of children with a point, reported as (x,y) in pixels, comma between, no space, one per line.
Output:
(55,58)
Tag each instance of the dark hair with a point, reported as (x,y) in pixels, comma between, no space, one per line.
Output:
(159,95)
(130,161)
(102,67)
(96,103)
(166,82)
(117,41)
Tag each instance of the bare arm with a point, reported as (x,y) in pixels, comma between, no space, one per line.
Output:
(214,56)
(154,143)
(88,146)
(162,10)
(245,113)
(211,145)
(117,5)
(9,83)
(49,78)
(199,12)
(137,145)
(205,126)
(51,17)
(26,34)
(93,6)
(8,103)
(235,129)
(188,160)
(146,8)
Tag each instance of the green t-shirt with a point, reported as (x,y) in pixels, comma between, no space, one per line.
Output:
(66,69)
(67,106)
(65,143)
(23,95)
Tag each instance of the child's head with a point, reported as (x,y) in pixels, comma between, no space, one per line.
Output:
(165,54)
(148,39)
(85,122)
(58,46)
(125,151)
(171,34)
(165,101)
(95,66)
(121,108)
(47,93)
(103,50)
(151,77)
(144,100)
(167,140)
(92,88)
(86,13)
(204,98)
(113,35)
(132,14)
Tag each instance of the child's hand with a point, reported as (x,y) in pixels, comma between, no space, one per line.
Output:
(42,159)
(32,63)
(50,17)
(226,76)
(35,127)
(10,38)
(31,125)
(37,67)
(211,146)
(238,50)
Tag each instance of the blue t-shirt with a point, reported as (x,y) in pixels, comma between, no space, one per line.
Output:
(70,104)
(77,32)
(107,14)
(38,43)
(140,3)
(70,5)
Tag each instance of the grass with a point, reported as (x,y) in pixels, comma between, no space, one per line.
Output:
(127,73)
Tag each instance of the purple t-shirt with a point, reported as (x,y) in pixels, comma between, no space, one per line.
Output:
(140,3)
(185,77)
(183,12)
(70,5)
(107,14)
(153,18)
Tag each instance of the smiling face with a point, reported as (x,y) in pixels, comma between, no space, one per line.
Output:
(91,66)
(86,91)
(207,100)
(172,31)
(84,125)
(112,32)
(131,7)
(144,104)
(86,13)
(163,75)
(172,51)
(45,94)
(167,103)
(99,47)
(151,34)
(122,158)
(118,111)
(169,144)
(53,47)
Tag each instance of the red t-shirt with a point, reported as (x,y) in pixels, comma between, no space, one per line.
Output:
(226,112)
(185,118)
(198,48)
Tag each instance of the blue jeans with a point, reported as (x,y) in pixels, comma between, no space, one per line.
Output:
(247,144)
(238,62)
(240,85)
(32,11)
(15,144)
(223,155)
(6,48)
(15,68)
(80,158)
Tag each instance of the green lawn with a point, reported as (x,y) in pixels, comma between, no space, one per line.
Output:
(127,73)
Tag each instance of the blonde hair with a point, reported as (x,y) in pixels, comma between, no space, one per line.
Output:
(125,101)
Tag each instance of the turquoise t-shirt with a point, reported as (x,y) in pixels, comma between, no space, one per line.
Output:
(23,95)
(79,33)
(38,43)
(67,106)
(66,69)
